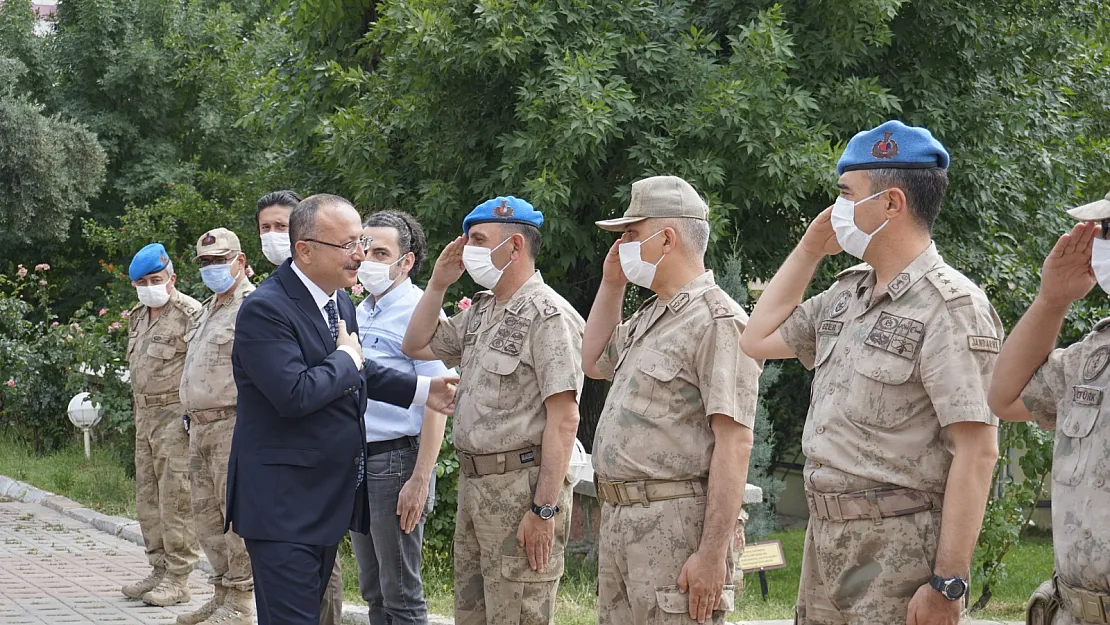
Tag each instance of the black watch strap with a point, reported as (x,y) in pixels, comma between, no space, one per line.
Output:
(953,588)
(545,512)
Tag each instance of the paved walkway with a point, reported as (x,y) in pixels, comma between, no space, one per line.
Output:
(54,569)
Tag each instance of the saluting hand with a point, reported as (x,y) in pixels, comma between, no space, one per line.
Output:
(611,272)
(820,239)
(449,266)
(1066,275)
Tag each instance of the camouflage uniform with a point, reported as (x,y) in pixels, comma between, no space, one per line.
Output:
(208,393)
(156,357)
(892,369)
(514,355)
(673,364)
(1067,394)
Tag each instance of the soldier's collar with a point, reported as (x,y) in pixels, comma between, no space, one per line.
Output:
(690,291)
(900,285)
(524,294)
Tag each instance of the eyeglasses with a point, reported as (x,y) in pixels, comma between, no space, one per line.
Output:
(205,261)
(348,246)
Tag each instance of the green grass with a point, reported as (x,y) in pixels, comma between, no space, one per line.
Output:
(99,483)
(102,484)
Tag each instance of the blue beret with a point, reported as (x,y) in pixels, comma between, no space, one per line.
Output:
(505,210)
(893,145)
(150,259)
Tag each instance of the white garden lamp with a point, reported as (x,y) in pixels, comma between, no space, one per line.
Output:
(84,414)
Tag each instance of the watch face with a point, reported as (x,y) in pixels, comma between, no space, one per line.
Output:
(956,589)
(547,512)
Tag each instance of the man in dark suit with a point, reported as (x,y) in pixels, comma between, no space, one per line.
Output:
(295,477)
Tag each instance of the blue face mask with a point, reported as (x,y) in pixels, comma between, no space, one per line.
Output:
(218,277)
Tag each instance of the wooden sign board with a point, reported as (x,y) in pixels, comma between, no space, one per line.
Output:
(763,556)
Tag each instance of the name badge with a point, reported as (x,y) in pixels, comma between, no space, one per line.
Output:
(1086,395)
(829,326)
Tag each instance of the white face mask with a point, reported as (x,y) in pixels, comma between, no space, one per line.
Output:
(635,268)
(154,296)
(375,276)
(1100,262)
(848,235)
(479,264)
(275,247)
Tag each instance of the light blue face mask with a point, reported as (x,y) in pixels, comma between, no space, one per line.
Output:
(218,277)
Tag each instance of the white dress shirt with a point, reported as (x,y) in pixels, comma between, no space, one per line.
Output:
(423,383)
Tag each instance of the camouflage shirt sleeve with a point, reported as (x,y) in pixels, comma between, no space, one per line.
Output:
(607,363)
(557,354)
(957,359)
(727,378)
(1045,390)
(799,331)
(447,341)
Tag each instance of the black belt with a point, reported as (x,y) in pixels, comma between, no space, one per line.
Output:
(381,447)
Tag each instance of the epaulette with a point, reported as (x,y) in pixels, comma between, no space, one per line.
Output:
(546,306)
(951,284)
(720,304)
(1101,325)
(860,268)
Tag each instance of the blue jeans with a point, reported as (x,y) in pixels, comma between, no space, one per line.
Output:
(388,559)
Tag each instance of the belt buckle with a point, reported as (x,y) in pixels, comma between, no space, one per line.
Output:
(875,509)
(832,506)
(640,488)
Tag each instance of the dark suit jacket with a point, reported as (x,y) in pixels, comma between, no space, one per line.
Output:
(295,471)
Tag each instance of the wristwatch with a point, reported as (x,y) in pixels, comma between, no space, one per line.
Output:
(546,512)
(953,588)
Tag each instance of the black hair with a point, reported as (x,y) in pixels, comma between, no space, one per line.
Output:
(276,198)
(410,236)
(302,221)
(924,189)
(531,236)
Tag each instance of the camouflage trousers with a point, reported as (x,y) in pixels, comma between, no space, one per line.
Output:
(209,448)
(641,551)
(494,584)
(162,489)
(863,572)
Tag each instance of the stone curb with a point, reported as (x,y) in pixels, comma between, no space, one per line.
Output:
(128,529)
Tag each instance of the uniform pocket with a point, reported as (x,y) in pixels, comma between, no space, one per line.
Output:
(674,606)
(655,371)
(500,368)
(517,569)
(1072,443)
(161,351)
(877,400)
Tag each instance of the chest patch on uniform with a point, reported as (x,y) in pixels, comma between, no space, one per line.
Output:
(840,304)
(509,338)
(900,336)
(1086,395)
(1096,363)
(984,344)
(527,456)
(475,321)
(680,302)
(829,326)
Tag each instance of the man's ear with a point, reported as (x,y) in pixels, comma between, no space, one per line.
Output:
(897,204)
(670,240)
(519,244)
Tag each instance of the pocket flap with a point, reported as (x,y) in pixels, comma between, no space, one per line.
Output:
(287,456)
(500,364)
(886,368)
(1083,412)
(672,601)
(517,569)
(223,337)
(658,366)
(161,350)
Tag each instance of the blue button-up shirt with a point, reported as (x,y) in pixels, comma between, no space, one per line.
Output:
(381,327)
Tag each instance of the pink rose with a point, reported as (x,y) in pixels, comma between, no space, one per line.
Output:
(42,282)
(125,313)
(464,303)
(11,383)
(54,325)
(21,272)
(115,326)
(102,312)
(42,267)
(357,289)
(75,326)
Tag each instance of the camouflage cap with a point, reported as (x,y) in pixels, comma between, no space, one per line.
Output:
(1095,211)
(659,196)
(218,242)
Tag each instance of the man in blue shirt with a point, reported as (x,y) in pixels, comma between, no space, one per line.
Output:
(401,444)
